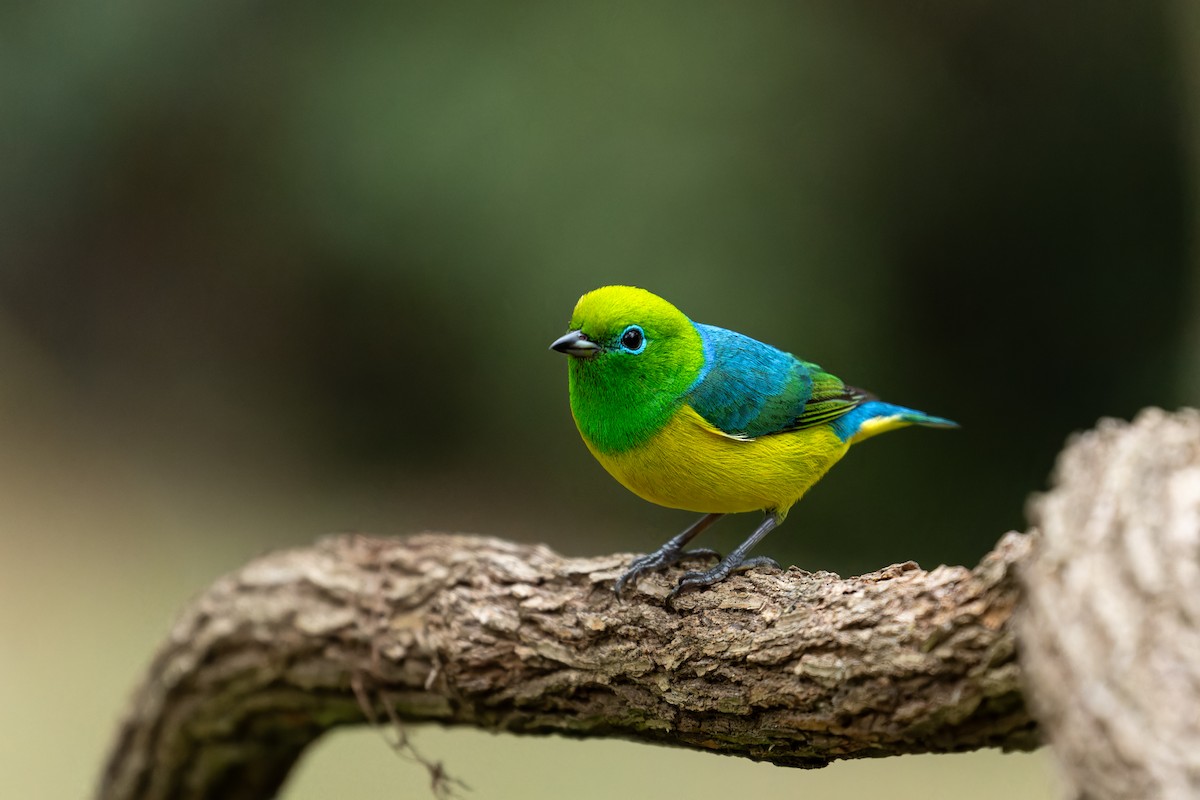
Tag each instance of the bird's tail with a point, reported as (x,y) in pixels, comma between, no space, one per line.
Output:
(875,417)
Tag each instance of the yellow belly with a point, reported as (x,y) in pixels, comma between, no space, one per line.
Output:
(691,465)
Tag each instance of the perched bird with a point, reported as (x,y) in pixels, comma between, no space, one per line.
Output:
(700,418)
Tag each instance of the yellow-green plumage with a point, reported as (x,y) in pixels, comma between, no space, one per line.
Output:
(696,417)
(691,465)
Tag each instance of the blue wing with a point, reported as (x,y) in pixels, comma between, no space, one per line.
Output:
(747,388)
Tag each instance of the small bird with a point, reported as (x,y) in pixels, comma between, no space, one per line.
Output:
(700,418)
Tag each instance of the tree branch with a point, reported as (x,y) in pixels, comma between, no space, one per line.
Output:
(789,667)
(1110,619)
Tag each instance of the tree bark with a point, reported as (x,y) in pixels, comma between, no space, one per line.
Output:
(788,667)
(794,668)
(1110,622)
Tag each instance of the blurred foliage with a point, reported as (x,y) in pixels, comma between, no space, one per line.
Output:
(353,229)
(326,245)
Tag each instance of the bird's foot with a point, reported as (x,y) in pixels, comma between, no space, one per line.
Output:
(698,580)
(661,558)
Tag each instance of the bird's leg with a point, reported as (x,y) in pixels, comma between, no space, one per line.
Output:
(734,561)
(670,553)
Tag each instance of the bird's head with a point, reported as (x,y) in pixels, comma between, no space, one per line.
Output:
(630,351)
(616,324)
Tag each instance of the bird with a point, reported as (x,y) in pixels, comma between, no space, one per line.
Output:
(696,417)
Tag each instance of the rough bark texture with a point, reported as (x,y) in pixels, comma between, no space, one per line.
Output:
(1110,624)
(787,667)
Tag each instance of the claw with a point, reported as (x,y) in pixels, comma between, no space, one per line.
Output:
(670,553)
(652,562)
(696,580)
(757,561)
(728,566)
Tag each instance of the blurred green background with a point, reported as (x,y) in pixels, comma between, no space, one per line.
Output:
(269,270)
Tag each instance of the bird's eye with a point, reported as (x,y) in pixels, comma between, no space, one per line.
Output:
(633,340)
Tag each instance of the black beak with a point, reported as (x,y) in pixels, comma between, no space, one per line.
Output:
(575,343)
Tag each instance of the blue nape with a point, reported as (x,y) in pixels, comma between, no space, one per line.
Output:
(746,387)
